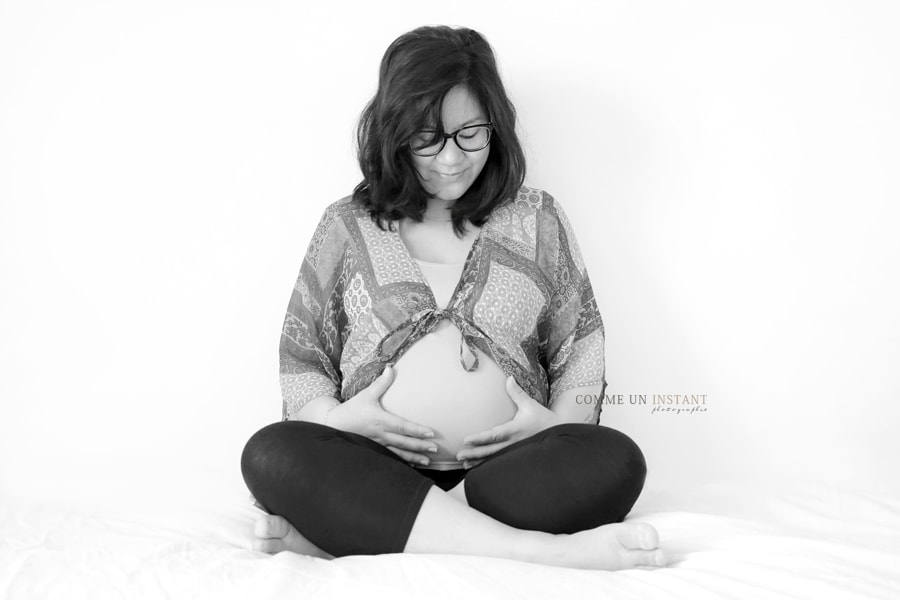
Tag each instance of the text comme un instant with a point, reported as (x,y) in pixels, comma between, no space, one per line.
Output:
(655,399)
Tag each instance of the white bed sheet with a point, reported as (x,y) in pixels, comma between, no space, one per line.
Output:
(722,542)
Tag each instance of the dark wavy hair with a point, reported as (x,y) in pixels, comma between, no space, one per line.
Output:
(417,71)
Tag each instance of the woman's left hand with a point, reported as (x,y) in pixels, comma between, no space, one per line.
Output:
(530,418)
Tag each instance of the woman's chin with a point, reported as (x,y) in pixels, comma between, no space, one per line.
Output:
(449,196)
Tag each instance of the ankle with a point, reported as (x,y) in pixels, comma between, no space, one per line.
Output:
(538,547)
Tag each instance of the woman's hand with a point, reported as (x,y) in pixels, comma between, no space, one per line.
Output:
(530,418)
(363,414)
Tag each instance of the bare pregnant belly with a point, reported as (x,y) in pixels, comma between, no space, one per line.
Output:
(431,388)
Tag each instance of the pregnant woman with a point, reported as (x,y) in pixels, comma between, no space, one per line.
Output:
(442,356)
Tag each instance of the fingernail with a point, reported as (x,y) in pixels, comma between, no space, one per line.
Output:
(423,461)
(432,449)
(429,434)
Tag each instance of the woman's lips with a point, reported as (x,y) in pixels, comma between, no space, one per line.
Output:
(449,175)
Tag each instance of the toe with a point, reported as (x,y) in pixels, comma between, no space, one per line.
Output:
(261,527)
(271,527)
(648,537)
(268,546)
(638,536)
(654,558)
(658,558)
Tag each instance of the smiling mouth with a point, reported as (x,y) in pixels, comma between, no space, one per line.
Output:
(449,175)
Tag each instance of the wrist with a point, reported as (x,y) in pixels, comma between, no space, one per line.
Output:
(314,411)
(559,416)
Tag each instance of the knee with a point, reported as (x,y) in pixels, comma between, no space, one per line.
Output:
(620,455)
(626,450)
(261,445)
(609,459)
(624,467)
(573,477)
(269,447)
(597,441)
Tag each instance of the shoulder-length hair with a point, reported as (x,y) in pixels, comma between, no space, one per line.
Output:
(417,71)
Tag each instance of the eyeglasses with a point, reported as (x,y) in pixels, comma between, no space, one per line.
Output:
(471,138)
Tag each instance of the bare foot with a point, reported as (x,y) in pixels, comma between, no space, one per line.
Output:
(610,547)
(275,534)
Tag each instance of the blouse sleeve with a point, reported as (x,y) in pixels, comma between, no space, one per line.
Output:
(311,337)
(575,349)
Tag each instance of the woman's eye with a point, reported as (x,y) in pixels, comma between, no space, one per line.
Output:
(423,139)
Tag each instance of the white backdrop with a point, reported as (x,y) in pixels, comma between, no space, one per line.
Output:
(731,170)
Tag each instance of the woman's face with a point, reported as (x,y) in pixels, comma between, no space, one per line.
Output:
(452,171)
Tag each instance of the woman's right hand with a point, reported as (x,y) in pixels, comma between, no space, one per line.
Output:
(363,414)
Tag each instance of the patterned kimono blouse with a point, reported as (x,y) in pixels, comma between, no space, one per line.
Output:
(524,298)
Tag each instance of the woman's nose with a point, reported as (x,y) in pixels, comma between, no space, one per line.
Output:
(450,154)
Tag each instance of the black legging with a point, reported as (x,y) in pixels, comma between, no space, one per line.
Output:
(348,494)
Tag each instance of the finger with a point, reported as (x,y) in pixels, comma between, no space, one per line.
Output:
(518,395)
(408,443)
(396,424)
(381,383)
(411,457)
(481,451)
(493,435)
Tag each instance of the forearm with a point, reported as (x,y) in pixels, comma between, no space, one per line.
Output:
(576,405)
(314,411)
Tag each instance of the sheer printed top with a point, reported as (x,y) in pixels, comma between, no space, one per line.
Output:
(523,297)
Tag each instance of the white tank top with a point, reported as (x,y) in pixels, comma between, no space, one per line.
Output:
(431,388)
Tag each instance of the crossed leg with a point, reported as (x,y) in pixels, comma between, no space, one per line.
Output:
(275,534)
(512,513)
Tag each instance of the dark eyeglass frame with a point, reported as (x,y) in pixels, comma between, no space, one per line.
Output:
(446,136)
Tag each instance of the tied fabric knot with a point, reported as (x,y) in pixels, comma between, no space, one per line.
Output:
(426,320)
